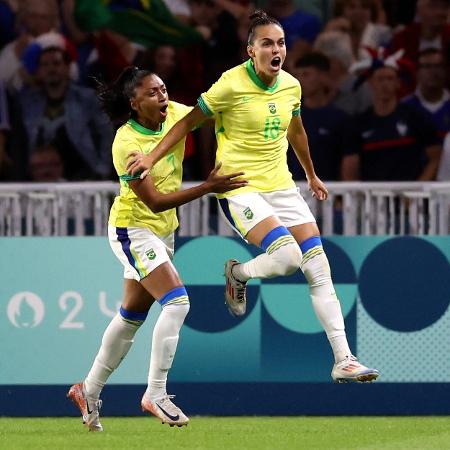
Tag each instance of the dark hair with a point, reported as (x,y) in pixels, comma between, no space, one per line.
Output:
(258,19)
(115,97)
(314,59)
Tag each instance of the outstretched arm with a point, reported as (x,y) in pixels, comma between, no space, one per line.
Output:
(143,163)
(146,190)
(296,135)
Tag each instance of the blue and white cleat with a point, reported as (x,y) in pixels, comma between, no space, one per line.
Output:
(351,370)
(165,410)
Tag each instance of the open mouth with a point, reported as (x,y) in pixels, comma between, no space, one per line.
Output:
(163,110)
(276,63)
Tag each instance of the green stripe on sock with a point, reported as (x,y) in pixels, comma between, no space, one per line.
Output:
(283,240)
(311,253)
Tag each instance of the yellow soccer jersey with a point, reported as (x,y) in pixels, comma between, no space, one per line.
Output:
(251,126)
(128,210)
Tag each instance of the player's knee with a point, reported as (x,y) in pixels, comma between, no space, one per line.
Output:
(283,250)
(176,296)
(177,301)
(318,274)
(293,257)
(287,259)
(133,317)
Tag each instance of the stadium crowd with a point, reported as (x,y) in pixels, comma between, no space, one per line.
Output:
(374,77)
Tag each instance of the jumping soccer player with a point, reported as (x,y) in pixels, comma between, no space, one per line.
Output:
(256,106)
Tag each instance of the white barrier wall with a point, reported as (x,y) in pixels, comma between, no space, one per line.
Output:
(62,209)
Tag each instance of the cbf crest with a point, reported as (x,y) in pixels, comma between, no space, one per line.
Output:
(151,254)
(248,213)
(272,108)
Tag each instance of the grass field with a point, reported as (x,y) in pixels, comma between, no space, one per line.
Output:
(211,433)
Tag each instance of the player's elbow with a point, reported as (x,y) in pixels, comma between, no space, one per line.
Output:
(154,203)
(157,207)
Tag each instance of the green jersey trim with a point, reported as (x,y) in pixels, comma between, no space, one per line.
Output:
(130,177)
(252,74)
(296,112)
(140,129)
(204,107)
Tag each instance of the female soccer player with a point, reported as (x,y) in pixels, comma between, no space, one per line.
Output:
(141,233)
(256,106)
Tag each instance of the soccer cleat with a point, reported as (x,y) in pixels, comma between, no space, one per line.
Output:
(235,297)
(165,410)
(350,369)
(89,408)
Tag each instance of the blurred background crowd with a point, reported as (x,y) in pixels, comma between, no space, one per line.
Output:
(371,113)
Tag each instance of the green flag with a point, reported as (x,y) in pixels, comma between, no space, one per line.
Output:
(147,22)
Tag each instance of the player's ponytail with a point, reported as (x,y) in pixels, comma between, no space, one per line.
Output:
(115,97)
(259,18)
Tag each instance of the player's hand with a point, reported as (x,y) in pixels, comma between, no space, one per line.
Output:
(223,183)
(317,188)
(139,163)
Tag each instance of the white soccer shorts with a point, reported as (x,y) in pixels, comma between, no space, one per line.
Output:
(139,250)
(244,211)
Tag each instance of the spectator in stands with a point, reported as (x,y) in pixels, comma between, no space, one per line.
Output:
(46,165)
(113,52)
(337,47)
(392,141)
(431,29)
(222,48)
(399,12)
(444,164)
(359,19)
(5,162)
(301,28)
(34,18)
(327,127)
(431,97)
(181,9)
(67,116)
(83,41)
(7,18)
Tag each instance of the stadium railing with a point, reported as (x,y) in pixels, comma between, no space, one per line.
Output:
(82,208)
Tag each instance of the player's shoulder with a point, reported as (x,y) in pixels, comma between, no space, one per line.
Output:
(124,134)
(178,110)
(175,106)
(236,72)
(289,80)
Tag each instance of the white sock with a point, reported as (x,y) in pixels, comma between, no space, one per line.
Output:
(326,305)
(117,340)
(164,345)
(282,258)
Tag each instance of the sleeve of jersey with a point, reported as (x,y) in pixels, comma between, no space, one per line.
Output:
(297,102)
(122,151)
(217,98)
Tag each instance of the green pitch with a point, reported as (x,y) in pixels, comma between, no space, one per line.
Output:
(229,433)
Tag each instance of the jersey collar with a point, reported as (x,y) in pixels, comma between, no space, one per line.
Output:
(252,74)
(140,129)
